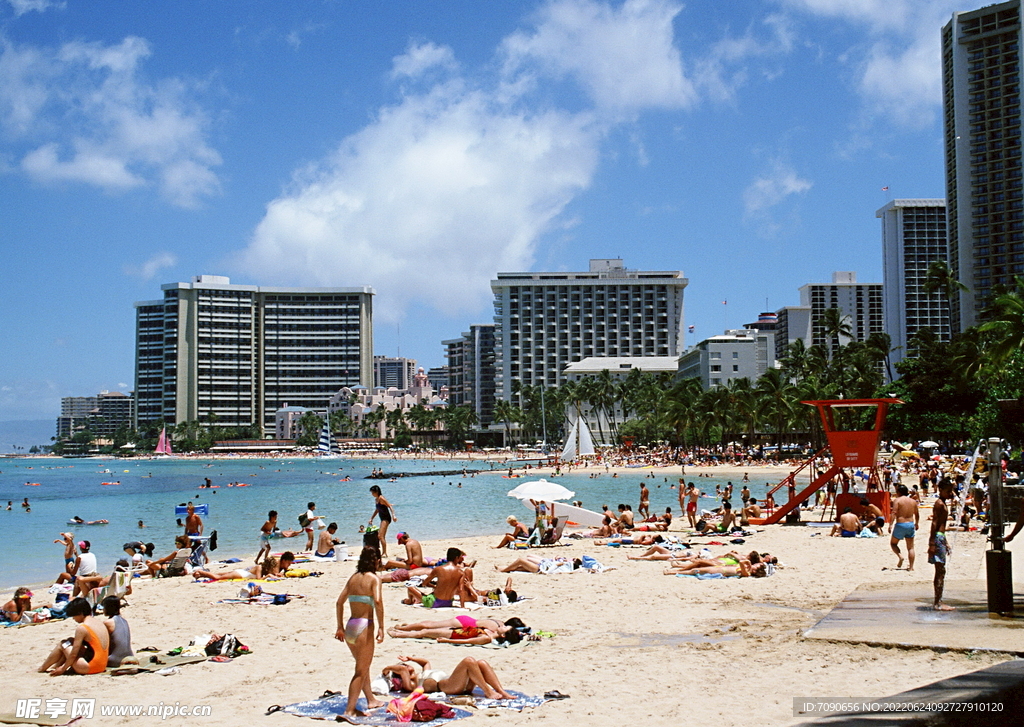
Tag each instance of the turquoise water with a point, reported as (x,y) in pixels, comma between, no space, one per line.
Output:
(428,506)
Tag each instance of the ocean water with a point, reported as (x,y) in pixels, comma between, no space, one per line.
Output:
(429,506)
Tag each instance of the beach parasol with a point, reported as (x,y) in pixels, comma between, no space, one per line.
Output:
(929,444)
(541,490)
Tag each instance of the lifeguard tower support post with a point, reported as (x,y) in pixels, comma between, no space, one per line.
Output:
(849,448)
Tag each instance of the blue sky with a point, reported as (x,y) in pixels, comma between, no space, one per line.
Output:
(420,147)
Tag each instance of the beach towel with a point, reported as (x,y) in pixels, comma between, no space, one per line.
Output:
(163,662)
(329,707)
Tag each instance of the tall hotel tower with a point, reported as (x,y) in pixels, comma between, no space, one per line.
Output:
(546,321)
(913,237)
(241,352)
(981,113)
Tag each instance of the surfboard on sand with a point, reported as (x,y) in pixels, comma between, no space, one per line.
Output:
(577,515)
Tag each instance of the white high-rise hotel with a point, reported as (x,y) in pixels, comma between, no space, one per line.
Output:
(545,321)
(913,237)
(237,353)
(981,108)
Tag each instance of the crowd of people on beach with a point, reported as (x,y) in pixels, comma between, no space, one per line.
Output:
(443,582)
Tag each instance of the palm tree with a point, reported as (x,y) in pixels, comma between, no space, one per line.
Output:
(776,402)
(939,279)
(1005,327)
(880,345)
(506,412)
(835,327)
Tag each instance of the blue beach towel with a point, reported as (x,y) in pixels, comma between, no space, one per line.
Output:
(330,707)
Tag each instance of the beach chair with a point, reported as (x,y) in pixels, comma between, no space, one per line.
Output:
(200,549)
(120,580)
(554,534)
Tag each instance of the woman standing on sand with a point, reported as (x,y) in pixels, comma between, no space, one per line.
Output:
(387,515)
(363,595)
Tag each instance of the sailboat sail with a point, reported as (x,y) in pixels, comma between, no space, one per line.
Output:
(163,444)
(585,442)
(579,442)
(325,446)
(569,450)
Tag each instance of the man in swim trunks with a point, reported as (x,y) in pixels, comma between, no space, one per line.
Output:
(447,579)
(903,526)
(645,502)
(848,525)
(326,542)
(413,555)
(692,495)
(938,546)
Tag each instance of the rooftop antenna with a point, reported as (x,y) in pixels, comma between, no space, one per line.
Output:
(398,333)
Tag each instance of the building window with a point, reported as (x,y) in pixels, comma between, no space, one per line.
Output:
(716,369)
(735,354)
(735,367)
(716,354)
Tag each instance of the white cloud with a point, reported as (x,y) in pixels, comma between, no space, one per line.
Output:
(625,58)
(26,6)
(464,176)
(725,68)
(84,113)
(148,269)
(428,202)
(898,68)
(772,188)
(421,57)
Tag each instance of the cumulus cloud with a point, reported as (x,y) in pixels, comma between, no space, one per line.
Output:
(625,57)
(772,187)
(148,269)
(898,69)
(462,176)
(84,113)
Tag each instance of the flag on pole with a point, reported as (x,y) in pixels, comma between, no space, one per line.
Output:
(725,302)
(692,328)
(885,188)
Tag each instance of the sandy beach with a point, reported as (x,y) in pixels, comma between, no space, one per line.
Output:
(631,644)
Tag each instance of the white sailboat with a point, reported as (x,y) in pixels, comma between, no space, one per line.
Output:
(326,446)
(579,442)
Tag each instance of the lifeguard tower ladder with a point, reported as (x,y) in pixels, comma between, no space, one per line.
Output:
(856,448)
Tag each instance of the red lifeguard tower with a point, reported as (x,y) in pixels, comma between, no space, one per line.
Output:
(851,445)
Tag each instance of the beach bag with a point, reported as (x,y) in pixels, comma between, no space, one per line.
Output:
(226,645)
(303,521)
(427,711)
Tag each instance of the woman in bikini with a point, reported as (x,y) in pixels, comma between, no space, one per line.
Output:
(468,673)
(462,629)
(86,653)
(387,515)
(271,567)
(363,594)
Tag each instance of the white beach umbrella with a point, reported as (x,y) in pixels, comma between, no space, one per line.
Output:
(929,444)
(541,490)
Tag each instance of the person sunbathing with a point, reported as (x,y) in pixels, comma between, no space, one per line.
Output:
(173,564)
(535,564)
(728,521)
(20,603)
(462,629)
(660,552)
(466,675)
(701,566)
(85,584)
(271,567)
(519,532)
